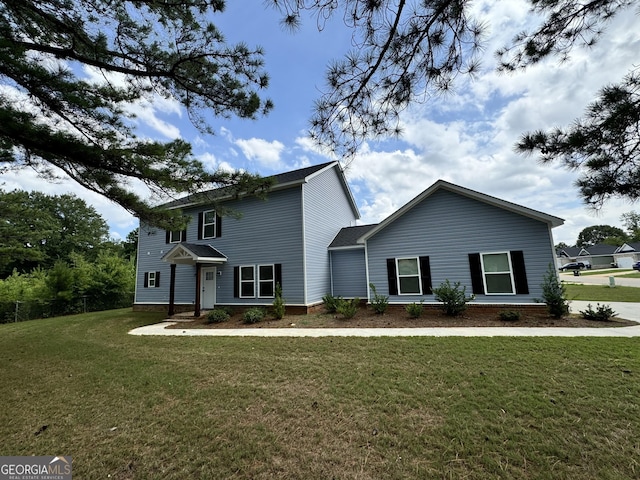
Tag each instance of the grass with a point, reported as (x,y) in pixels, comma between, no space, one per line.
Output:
(130,407)
(602,293)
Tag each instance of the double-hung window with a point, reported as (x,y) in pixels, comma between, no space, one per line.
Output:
(266,281)
(247,282)
(408,276)
(497,273)
(176,236)
(208,224)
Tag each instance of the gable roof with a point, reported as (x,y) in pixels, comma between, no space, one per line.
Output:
(601,249)
(280,181)
(191,253)
(348,237)
(443,185)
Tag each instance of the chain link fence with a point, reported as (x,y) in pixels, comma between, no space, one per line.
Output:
(20,311)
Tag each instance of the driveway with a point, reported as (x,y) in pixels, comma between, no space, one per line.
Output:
(602,279)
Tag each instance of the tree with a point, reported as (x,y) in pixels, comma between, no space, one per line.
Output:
(403,52)
(50,115)
(410,51)
(631,221)
(600,234)
(38,229)
(604,145)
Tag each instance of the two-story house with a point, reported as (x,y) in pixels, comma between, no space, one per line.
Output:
(304,237)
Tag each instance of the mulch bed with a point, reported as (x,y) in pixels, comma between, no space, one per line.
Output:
(366,318)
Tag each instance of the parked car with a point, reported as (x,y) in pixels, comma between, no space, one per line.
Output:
(572,266)
(636,266)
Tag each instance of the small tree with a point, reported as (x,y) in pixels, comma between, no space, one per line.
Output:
(454,299)
(379,302)
(279,307)
(554,294)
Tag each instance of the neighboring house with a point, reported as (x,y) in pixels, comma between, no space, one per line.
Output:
(305,237)
(601,255)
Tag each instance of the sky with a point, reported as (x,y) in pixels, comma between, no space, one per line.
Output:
(466,137)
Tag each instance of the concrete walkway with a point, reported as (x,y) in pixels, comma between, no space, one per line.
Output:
(628,311)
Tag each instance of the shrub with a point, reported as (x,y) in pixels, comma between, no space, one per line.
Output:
(217,315)
(253,315)
(331,303)
(509,316)
(414,309)
(454,299)
(279,307)
(379,302)
(348,308)
(554,294)
(602,313)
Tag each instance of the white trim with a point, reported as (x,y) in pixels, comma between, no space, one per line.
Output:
(205,224)
(305,292)
(240,281)
(418,274)
(366,270)
(484,274)
(441,184)
(259,281)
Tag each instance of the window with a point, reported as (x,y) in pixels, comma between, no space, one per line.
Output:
(247,282)
(408,276)
(208,227)
(497,273)
(176,236)
(151,279)
(266,281)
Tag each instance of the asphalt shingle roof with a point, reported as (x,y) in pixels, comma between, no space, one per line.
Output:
(216,193)
(348,235)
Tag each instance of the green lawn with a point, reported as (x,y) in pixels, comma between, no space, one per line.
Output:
(602,293)
(130,407)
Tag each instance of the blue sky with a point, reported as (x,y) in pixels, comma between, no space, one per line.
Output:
(466,137)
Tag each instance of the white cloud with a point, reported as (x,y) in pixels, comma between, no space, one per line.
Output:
(267,154)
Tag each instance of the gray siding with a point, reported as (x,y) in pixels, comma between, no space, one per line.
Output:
(446,227)
(348,273)
(326,211)
(268,232)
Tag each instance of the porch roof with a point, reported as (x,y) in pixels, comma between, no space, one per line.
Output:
(191,253)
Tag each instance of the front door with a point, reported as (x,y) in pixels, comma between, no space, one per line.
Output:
(208,298)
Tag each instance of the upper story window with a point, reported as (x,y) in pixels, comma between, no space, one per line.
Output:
(408,276)
(497,273)
(176,236)
(209,224)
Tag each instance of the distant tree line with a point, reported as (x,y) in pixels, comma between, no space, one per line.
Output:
(608,234)
(56,258)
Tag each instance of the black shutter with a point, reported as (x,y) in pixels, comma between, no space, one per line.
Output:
(218,225)
(425,275)
(236,282)
(157,279)
(146,279)
(183,235)
(168,236)
(200,224)
(519,272)
(477,282)
(278,273)
(391,276)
